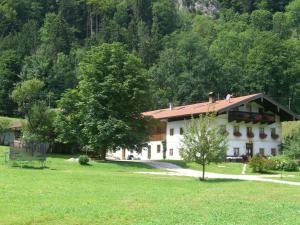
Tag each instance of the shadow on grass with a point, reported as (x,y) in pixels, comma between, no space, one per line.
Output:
(129,164)
(219,180)
(31,167)
(60,156)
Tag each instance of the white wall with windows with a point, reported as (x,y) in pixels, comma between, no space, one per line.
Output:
(265,144)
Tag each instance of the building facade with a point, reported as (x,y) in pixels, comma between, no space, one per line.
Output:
(252,124)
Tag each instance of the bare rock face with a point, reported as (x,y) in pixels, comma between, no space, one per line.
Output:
(205,7)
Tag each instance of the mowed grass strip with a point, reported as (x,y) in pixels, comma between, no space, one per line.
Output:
(112,193)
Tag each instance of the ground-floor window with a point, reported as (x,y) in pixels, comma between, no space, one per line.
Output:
(158,148)
(171,152)
(171,131)
(262,151)
(236,151)
(273,151)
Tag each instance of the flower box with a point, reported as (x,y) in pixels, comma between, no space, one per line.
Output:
(263,135)
(275,136)
(237,134)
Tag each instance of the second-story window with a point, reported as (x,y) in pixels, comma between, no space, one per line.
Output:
(181,131)
(171,131)
(261,130)
(273,131)
(236,131)
(250,133)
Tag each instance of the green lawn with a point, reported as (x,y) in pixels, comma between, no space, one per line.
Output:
(225,168)
(111,193)
(235,168)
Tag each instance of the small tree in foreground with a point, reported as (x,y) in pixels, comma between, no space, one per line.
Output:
(203,142)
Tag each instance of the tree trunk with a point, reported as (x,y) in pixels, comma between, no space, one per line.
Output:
(103,155)
(203,171)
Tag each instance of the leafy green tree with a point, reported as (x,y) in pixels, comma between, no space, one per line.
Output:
(113,92)
(40,118)
(293,10)
(9,69)
(165,14)
(56,34)
(203,142)
(26,94)
(40,124)
(281,25)
(261,20)
(68,124)
(291,147)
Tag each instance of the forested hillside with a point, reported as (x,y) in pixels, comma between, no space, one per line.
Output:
(187,47)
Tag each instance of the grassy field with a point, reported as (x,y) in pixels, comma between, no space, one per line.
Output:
(112,193)
(225,168)
(234,168)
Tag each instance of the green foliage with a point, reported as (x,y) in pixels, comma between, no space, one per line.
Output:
(202,142)
(40,124)
(283,162)
(9,69)
(83,160)
(258,163)
(27,93)
(291,147)
(113,92)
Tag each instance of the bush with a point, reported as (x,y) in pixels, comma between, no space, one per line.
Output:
(283,163)
(290,165)
(258,164)
(83,160)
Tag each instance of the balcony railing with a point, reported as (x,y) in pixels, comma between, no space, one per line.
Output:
(249,117)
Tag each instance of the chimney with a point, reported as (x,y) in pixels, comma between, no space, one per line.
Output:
(170,106)
(211,97)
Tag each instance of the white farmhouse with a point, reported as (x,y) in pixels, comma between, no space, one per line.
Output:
(252,122)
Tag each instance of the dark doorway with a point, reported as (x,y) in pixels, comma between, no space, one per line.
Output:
(249,149)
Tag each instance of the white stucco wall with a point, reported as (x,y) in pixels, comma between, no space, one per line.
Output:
(174,141)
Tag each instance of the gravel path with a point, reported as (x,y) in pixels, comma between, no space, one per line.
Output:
(174,170)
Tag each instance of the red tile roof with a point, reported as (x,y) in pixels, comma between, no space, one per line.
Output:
(199,108)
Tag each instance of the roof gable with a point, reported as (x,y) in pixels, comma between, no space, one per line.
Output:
(222,106)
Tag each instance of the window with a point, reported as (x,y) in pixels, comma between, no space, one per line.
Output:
(236,129)
(158,148)
(273,151)
(181,131)
(261,110)
(171,131)
(261,130)
(236,151)
(262,151)
(273,131)
(249,130)
(171,152)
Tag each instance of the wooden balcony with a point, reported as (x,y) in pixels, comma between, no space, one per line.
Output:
(158,137)
(249,117)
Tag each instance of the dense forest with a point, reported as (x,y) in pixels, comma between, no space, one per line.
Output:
(187,47)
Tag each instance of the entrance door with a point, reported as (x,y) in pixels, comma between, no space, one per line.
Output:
(249,149)
(149,152)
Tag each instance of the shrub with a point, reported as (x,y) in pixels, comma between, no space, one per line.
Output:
(258,164)
(290,165)
(83,160)
(283,163)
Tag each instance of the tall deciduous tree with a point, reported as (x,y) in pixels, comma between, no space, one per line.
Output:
(113,91)
(203,142)
(9,69)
